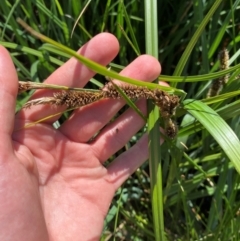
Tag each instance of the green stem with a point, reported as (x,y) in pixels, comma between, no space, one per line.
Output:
(151,33)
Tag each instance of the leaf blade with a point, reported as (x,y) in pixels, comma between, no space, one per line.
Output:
(218,128)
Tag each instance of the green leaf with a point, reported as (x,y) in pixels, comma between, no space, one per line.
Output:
(222,31)
(195,38)
(218,128)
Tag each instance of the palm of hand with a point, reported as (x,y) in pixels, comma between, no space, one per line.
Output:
(52,181)
(70,179)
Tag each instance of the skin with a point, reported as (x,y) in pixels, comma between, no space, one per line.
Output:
(53,185)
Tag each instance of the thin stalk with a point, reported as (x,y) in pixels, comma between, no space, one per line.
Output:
(151,31)
(95,66)
(28,85)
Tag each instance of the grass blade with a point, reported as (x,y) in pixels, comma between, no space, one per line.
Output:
(97,67)
(181,64)
(218,128)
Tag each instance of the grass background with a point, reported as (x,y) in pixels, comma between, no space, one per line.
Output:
(200,185)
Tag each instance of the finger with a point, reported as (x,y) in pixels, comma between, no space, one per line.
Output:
(8,93)
(101,49)
(88,120)
(128,162)
(116,134)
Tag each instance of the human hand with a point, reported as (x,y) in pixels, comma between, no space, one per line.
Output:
(53,185)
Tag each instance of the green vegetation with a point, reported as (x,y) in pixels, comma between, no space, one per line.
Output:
(190,186)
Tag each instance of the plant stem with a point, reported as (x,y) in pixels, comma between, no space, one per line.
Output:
(151,33)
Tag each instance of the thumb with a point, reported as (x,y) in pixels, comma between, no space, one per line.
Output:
(8,93)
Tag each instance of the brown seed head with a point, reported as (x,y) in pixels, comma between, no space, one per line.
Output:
(74,99)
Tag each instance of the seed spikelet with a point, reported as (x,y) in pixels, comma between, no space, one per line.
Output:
(74,99)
